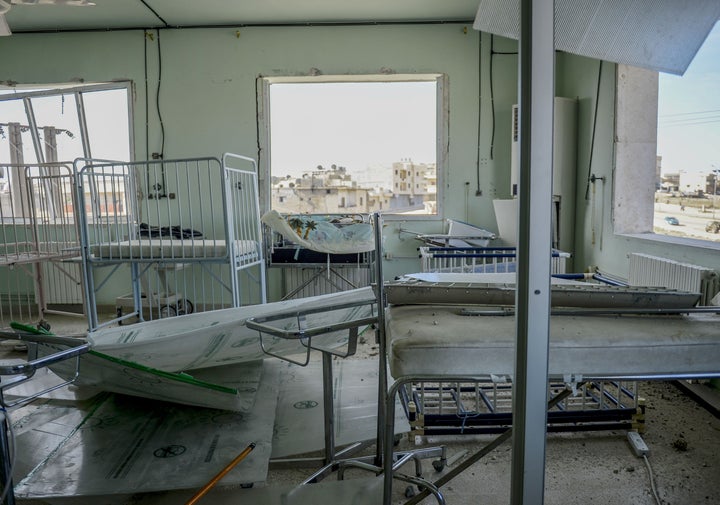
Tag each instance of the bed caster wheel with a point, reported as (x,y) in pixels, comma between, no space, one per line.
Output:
(396,440)
(438,465)
(43,325)
(167,311)
(409,492)
(184,306)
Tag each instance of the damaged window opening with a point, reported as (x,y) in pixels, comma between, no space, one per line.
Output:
(57,124)
(365,143)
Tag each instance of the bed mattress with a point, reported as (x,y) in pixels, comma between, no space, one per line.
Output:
(427,340)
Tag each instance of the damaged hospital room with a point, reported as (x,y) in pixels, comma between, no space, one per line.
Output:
(370,253)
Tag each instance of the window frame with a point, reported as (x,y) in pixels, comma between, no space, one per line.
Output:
(635,134)
(442,127)
(26,92)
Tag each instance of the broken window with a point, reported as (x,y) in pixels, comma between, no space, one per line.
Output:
(354,135)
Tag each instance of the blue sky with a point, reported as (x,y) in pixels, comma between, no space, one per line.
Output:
(689,112)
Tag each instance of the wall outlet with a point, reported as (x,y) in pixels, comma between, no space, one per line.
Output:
(637,444)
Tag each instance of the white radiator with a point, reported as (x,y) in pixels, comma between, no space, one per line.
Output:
(653,271)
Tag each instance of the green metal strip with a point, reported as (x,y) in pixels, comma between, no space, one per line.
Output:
(180,377)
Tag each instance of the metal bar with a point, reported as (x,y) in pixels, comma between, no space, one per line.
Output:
(82,122)
(536,101)
(29,367)
(589,311)
(328,413)
(34,133)
(381,341)
(467,463)
(6,482)
(302,333)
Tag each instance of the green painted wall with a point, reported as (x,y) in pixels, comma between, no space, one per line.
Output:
(208,105)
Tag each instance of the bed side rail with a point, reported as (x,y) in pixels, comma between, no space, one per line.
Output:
(23,371)
(304,325)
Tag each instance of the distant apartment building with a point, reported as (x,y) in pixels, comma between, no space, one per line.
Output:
(414,186)
(325,191)
(670,182)
(333,190)
(694,183)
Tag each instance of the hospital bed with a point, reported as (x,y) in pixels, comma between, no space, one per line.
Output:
(185,229)
(447,333)
(459,330)
(319,253)
(39,237)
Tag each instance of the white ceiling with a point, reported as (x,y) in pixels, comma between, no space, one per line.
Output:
(123,14)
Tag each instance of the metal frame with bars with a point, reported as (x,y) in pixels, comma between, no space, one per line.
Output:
(185,229)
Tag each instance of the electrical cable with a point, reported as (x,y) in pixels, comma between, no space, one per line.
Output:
(492,93)
(592,135)
(708,111)
(257,115)
(691,123)
(13,454)
(492,97)
(155,12)
(157,100)
(147,106)
(479,124)
(652,481)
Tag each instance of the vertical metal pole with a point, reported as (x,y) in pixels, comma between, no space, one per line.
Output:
(18,186)
(5,469)
(82,122)
(382,358)
(536,99)
(84,234)
(328,408)
(34,132)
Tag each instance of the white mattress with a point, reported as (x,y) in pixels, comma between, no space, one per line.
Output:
(172,249)
(426,340)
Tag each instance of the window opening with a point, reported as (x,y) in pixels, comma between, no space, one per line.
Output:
(354,144)
(48,125)
(688,160)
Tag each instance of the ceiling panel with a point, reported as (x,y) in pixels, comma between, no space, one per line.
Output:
(662,35)
(109,14)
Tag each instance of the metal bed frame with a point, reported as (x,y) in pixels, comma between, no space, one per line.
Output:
(305,272)
(297,326)
(479,259)
(39,241)
(193,223)
(441,408)
(15,374)
(457,403)
(454,408)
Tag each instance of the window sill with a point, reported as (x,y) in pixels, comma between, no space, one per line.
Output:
(678,241)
